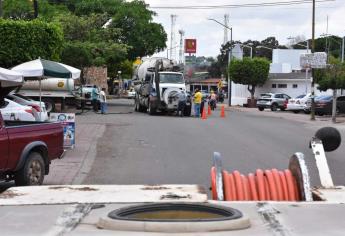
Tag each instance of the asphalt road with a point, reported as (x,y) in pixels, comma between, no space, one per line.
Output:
(140,149)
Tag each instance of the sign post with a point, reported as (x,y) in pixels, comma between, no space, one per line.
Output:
(312,61)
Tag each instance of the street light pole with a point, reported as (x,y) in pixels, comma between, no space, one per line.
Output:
(229,59)
(312,113)
(342,50)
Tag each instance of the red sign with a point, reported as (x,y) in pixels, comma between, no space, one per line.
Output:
(190,45)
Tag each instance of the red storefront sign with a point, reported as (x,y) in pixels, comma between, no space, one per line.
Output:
(190,46)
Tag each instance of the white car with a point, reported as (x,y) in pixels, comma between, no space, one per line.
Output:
(13,111)
(41,113)
(131,94)
(298,103)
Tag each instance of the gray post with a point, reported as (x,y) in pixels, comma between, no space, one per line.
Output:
(342,50)
(229,80)
(312,113)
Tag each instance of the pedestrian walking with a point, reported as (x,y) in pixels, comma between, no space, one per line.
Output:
(197,102)
(213,100)
(182,99)
(94,98)
(103,99)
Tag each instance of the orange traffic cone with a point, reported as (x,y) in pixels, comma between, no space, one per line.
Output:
(222,112)
(209,110)
(204,116)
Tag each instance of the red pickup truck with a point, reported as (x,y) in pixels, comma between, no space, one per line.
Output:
(27,148)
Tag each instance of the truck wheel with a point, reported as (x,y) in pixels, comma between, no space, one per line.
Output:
(187,111)
(33,171)
(50,104)
(151,110)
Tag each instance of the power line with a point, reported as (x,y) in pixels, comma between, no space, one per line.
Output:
(246,5)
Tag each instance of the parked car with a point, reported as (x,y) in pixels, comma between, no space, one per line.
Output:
(323,105)
(13,111)
(27,149)
(272,101)
(308,103)
(40,108)
(131,94)
(298,103)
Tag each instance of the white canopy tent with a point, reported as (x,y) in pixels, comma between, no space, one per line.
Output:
(9,78)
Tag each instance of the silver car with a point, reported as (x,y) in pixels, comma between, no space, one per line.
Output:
(272,101)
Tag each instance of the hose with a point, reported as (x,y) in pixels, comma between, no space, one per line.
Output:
(264,185)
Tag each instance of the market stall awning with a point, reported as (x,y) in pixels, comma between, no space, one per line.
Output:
(9,78)
(46,68)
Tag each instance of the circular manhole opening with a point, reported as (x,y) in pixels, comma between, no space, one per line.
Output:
(175,217)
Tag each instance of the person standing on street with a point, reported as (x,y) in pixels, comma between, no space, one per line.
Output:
(182,99)
(197,102)
(103,98)
(94,98)
(213,100)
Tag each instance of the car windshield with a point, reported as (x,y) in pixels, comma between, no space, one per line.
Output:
(324,97)
(301,96)
(265,95)
(171,78)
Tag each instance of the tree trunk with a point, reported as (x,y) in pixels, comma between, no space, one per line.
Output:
(252,92)
(334,106)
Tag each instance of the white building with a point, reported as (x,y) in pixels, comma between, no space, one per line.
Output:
(286,76)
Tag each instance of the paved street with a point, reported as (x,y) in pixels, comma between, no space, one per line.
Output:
(126,147)
(136,148)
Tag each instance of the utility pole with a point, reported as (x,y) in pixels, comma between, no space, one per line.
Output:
(226,26)
(172,37)
(312,114)
(342,50)
(181,32)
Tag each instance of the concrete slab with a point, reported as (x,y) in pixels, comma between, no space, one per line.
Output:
(67,194)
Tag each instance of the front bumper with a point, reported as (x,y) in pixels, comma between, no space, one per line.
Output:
(295,107)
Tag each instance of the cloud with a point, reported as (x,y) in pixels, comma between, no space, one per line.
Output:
(249,23)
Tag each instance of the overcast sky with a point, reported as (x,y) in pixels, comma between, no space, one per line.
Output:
(248,23)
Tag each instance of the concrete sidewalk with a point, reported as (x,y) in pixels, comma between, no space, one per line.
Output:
(288,115)
(70,168)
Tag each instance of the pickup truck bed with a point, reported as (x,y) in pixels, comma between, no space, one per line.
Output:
(27,149)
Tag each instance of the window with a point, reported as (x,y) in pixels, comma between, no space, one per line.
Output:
(294,86)
(274,85)
(282,85)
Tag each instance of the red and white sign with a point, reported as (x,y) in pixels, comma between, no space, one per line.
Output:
(190,45)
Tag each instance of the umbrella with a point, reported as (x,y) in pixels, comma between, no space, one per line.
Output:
(9,78)
(44,68)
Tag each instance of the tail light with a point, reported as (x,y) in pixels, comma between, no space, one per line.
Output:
(285,103)
(36,107)
(29,111)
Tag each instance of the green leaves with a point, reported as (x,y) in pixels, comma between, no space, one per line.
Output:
(251,72)
(332,77)
(22,41)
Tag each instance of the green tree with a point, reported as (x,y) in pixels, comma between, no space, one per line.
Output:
(250,72)
(18,9)
(98,46)
(133,19)
(21,41)
(332,77)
